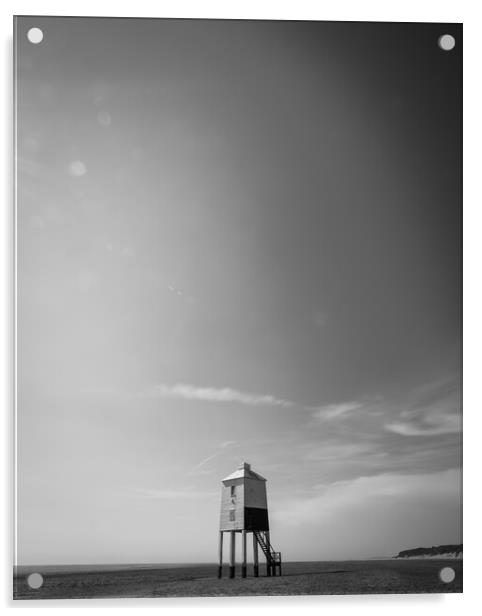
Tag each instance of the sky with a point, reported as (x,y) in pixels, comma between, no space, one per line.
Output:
(237,241)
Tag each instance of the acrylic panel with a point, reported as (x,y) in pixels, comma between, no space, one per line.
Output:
(238,307)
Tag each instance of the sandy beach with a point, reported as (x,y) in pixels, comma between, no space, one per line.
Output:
(299,578)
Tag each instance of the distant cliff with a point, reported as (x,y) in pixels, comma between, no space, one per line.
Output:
(439,551)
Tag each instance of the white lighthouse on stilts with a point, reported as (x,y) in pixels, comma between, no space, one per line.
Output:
(244,509)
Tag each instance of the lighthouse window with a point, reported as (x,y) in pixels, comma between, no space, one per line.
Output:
(231,515)
(233,491)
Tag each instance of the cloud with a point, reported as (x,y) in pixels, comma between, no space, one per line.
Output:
(430,425)
(182,391)
(198,468)
(226,444)
(325,502)
(369,516)
(331,411)
(203,462)
(338,451)
(77,168)
(185,494)
(433,409)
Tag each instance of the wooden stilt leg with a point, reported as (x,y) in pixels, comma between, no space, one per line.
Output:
(243,566)
(255,556)
(220,568)
(269,569)
(232,556)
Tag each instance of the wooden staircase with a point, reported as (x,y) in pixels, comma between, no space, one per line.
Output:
(273,559)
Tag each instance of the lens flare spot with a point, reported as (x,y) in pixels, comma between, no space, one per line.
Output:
(446,42)
(35,580)
(35,35)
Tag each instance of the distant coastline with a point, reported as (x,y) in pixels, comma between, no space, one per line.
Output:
(439,551)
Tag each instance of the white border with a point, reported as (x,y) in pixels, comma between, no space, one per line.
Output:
(14,302)
(466,11)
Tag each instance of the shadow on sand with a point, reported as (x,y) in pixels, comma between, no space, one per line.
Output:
(316,572)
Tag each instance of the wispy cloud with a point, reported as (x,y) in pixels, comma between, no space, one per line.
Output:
(327,501)
(203,462)
(198,468)
(330,411)
(431,410)
(182,391)
(183,494)
(429,425)
(226,444)
(338,451)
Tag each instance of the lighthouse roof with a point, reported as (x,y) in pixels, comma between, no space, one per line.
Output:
(244,470)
